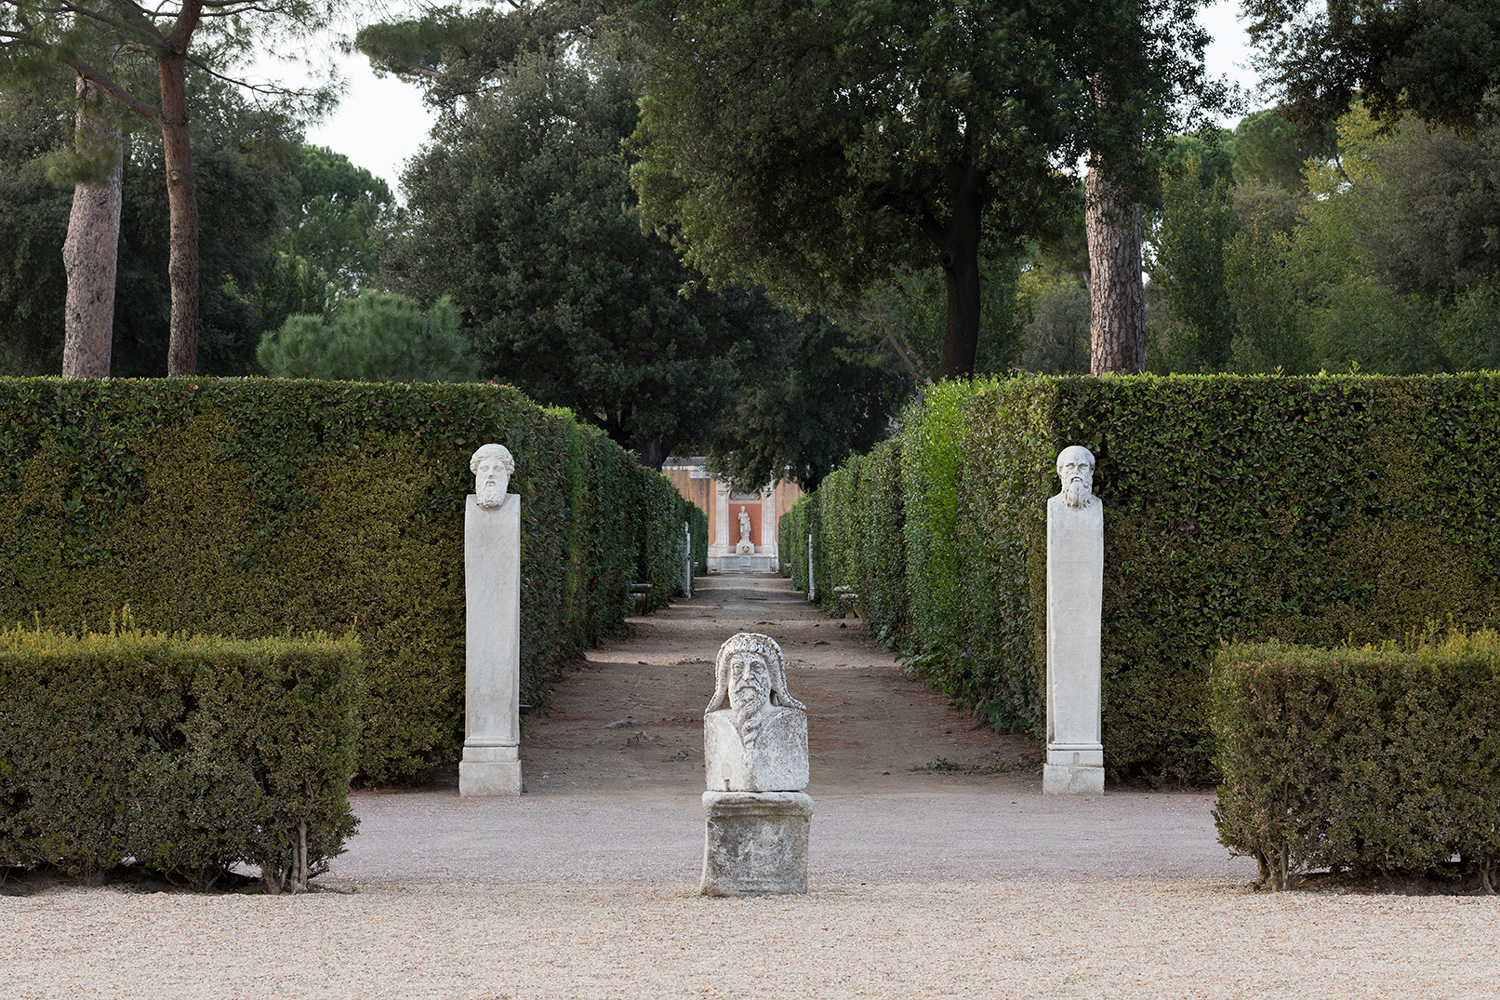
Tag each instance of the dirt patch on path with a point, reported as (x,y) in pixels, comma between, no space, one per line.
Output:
(631,716)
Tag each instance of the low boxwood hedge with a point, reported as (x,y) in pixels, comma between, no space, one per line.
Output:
(180,755)
(1378,760)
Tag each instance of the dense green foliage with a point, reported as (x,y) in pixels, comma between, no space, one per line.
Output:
(522,213)
(518,212)
(1371,255)
(1439,59)
(246,508)
(825,149)
(374,337)
(823,395)
(333,208)
(1379,760)
(1243,509)
(185,755)
(241,216)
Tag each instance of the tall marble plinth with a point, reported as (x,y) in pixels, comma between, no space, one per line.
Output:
(1075,599)
(491,762)
(755,843)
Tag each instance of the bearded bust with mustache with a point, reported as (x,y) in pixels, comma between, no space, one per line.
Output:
(754,731)
(1075,467)
(492,466)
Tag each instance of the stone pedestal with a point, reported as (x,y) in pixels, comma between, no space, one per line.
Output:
(755,843)
(1075,597)
(492,584)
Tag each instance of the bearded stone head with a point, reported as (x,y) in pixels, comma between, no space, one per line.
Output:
(1075,467)
(492,466)
(750,674)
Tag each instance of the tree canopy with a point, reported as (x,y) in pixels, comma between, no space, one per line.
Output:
(517,210)
(821,148)
(242,219)
(1437,59)
(138,55)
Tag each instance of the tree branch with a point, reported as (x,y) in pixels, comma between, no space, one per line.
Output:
(113,89)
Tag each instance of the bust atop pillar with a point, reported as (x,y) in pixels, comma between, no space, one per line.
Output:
(756,816)
(1075,599)
(491,762)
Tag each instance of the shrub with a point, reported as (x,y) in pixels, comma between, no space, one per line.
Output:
(373,337)
(1381,760)
(245,508)
(186,755)
(1308,510)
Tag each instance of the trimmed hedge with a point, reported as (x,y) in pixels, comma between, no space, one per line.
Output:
(186,755)
(1307,510)
(1382,760)
(248,507)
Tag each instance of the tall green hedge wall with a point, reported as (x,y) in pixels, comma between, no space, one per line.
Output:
(253,507)
(1306,510)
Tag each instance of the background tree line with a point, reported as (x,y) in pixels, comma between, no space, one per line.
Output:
(764,266)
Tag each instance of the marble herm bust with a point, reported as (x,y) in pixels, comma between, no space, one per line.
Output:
(754,731)
(1075,467)
(492,466)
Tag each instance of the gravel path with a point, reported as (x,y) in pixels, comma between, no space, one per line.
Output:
(924,882)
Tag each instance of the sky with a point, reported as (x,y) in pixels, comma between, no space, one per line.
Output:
(381,123)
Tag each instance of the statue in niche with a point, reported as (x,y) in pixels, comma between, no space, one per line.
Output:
(744,526)
(754,731)
(492,466)
(1075,467)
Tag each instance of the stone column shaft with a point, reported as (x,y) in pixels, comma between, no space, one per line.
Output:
(1075,599)
(492,584)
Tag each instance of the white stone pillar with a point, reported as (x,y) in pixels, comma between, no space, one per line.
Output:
(768,520)
(491,762)
(721,546)
(1075,600)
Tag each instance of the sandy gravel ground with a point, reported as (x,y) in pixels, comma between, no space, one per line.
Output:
(925,882)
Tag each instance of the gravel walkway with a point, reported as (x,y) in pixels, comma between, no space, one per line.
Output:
(923,884)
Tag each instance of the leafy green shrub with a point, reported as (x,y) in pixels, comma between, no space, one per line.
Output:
(1381,760)
(1309,510)
(881,567)
(186,755)
(931,453)
(373,337)
(249,507)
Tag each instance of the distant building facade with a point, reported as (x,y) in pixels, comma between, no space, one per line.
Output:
(763,509)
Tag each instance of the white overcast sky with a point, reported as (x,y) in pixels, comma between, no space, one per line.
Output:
(381,123)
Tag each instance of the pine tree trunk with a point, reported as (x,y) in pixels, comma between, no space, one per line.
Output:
(91,251)
(1117,295)
(182,202)
(959,257)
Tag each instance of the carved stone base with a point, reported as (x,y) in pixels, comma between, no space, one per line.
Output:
(755,843)
(763,562)
(489,771)
(1073,770)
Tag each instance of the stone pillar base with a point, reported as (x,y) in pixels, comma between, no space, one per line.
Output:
(489,771)
(1073,770)
(755,843)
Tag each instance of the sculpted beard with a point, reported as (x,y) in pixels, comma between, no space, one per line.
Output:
(1077,495)
(490,494)
(749,698)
